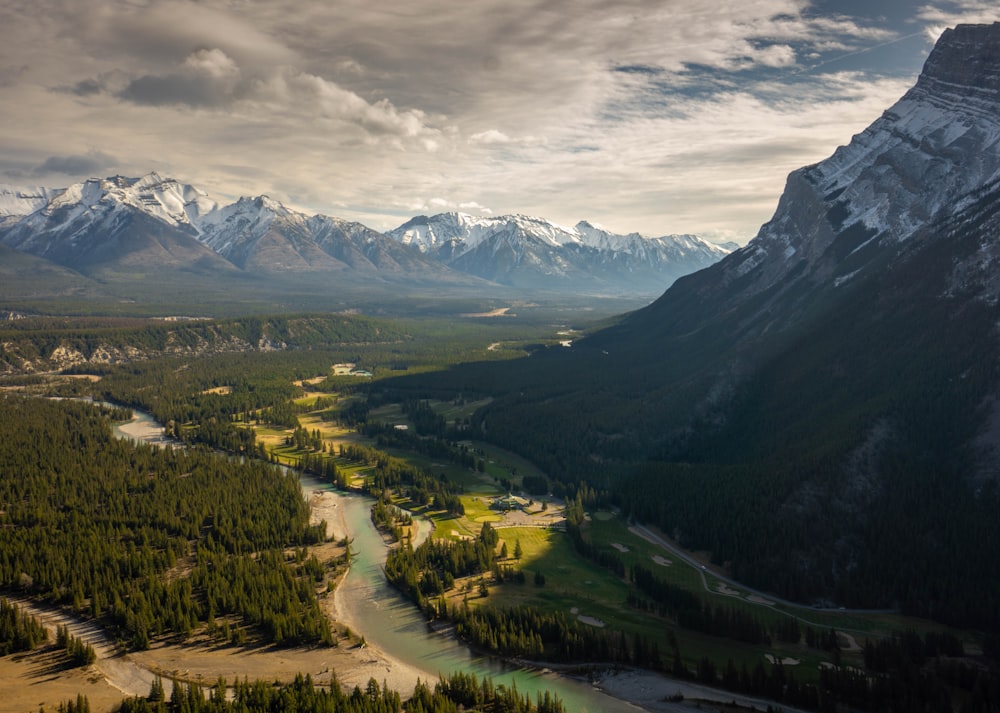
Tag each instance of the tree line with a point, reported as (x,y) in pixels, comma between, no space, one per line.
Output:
(451,694)
(19,631)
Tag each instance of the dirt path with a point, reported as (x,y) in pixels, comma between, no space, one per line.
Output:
(118,670)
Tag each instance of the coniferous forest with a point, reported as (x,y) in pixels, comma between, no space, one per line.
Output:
(95,523)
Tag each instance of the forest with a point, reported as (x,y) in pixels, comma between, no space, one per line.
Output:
(94,523)
(840,463)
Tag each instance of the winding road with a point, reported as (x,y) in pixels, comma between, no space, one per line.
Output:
(756,596)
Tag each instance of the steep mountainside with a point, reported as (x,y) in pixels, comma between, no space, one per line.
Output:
(818,409)
(119,223)
(261,235)
(532,252)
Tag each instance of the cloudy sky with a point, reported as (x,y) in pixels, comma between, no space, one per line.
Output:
(656,116)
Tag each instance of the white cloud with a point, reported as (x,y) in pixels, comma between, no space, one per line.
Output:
(956,12)
(212,62)
(491,136)
(775,56)
(649,115)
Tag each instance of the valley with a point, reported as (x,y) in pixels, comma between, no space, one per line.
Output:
(582,588)
(256,459)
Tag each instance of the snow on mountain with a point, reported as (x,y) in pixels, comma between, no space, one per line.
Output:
(260,235)
(117,224)
(69,212)
(247,219)
(926,174)
(458,229)
(166,199)
(527,251)
(930,154)
(467,232)
(20,201)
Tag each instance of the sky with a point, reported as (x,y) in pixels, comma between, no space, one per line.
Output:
(658,117)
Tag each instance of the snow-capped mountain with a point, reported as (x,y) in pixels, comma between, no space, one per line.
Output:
(105,224)
(933,154)
(20,201)
(99,224)
(135,221)
(533,252)
(261,235)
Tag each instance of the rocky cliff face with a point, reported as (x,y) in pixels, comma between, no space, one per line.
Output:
(931,156)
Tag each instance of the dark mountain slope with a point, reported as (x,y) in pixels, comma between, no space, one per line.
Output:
(818,408)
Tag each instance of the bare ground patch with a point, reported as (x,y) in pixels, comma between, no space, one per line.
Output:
(787,661)
(31,681)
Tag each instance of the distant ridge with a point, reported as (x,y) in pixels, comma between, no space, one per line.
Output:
(532,252)
(118,225)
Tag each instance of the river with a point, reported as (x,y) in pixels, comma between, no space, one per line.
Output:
(394,625)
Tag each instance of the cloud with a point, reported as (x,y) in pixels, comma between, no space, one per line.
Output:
(649,115)
(210,79)
(775,56)
(491,136)
(90,164)
(322,98)
(206,78)
(955,12)
(439,205)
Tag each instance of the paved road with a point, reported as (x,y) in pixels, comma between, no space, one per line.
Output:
(769,599)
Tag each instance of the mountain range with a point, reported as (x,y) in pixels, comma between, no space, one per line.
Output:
(820,409)
(530,252)
(114,227)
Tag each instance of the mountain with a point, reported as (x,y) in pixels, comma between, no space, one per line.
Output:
(262,236)
(17,202)
(821,409)
(118,223)
(534,253)
(121,228)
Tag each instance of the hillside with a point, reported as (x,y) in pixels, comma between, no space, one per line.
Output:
(817,409)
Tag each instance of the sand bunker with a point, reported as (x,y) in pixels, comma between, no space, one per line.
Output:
(619,546)
(662,561)
(590,621)
(784,662)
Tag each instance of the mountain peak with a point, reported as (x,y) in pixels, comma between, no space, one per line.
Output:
(966,56)
(263,202)
(928,155)
(527,251)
